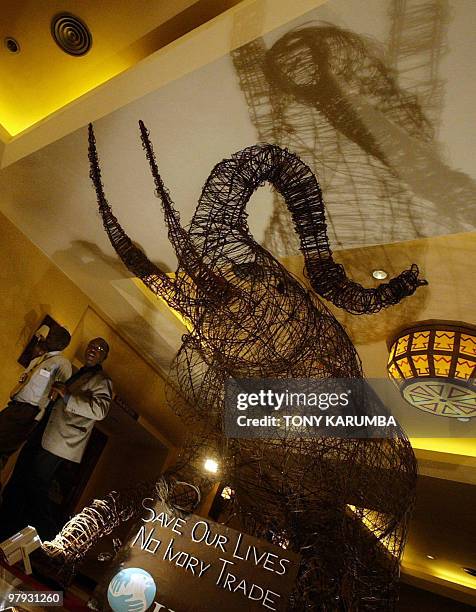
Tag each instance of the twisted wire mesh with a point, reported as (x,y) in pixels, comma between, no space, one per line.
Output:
(100,518)
(342,503)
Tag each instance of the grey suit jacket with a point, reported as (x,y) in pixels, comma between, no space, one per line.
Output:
(71,423)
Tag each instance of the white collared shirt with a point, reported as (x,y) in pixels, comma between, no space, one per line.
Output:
(45,370)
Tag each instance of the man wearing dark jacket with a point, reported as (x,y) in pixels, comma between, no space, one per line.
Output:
(30,397)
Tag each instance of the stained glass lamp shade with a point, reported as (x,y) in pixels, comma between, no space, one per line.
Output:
(434,366)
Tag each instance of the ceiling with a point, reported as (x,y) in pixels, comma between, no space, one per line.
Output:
(41,79)
(181,67)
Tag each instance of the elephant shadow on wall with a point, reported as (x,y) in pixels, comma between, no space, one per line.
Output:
(326,94)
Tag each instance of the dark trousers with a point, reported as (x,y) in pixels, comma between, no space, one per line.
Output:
(17,422)
(26,498)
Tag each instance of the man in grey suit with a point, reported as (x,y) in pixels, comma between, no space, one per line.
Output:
(82,400)
(78,403)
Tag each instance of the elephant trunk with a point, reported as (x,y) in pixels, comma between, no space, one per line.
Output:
(296,182)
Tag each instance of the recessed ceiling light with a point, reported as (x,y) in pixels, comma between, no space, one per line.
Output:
(379,274)
(12,45)
(470,570)
(430,557)
(210,465)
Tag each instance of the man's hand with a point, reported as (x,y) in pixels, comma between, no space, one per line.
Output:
(58,389)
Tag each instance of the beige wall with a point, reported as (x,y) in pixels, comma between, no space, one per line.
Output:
(31,286)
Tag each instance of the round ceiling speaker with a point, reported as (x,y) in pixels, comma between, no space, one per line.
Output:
(71,34)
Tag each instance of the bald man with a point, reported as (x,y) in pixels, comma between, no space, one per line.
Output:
(81,401)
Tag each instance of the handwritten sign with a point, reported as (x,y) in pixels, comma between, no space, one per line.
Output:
(200,566)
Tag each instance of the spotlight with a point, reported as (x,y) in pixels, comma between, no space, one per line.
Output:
(227,493)
(210,465)
(430,557)
(379,274)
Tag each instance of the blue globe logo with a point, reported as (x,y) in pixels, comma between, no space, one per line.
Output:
(131,590)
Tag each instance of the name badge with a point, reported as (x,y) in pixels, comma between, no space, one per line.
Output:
(44,373)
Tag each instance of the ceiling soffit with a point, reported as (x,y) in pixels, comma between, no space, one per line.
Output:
(58,93)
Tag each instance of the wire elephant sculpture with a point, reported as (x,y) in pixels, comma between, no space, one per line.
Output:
(343,504)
